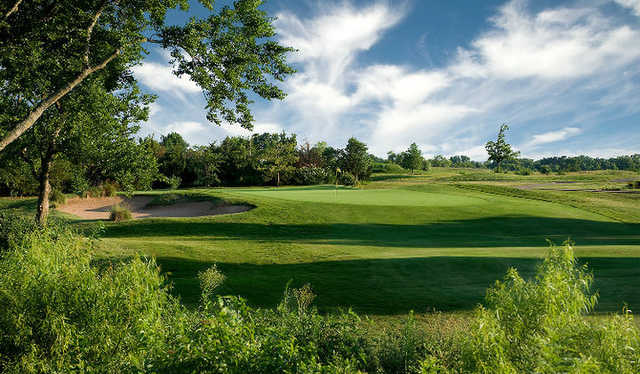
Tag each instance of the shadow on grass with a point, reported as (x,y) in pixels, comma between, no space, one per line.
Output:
(395,286)
(486,232)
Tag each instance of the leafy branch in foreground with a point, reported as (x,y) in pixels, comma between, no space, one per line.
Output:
(48,49)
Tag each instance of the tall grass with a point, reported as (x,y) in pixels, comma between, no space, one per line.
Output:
(63,312)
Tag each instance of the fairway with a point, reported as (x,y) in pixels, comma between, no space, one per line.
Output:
(386,249)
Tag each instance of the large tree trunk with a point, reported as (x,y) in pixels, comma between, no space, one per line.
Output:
(45,186)
(44,190)
(278,182)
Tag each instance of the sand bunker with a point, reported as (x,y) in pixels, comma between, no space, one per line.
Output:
(100,208)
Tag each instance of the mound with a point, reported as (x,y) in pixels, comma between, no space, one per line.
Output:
(99,208)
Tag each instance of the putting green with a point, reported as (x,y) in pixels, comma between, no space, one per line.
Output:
(382,197)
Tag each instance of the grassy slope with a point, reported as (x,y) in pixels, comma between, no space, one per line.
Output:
(402,243)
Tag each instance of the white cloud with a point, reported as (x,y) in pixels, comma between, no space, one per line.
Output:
(554,136)
(160,78)
(258,128)
(331,40)
(560,43)
(530,69)
(634,5)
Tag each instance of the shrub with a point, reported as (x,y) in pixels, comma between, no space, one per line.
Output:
(61,314)
(394,168)
(120,213)
(57,198)
(634,185)
(347,179)
(546,169)
(539,326)
(524,171)
(210,280)
(174,182)
(95,192)
(109,189)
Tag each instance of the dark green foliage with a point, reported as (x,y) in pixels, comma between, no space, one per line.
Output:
(524,171)
(347,179)
(310,176)
(231,53)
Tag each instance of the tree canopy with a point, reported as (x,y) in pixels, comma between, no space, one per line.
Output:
(500,150)
(48,48)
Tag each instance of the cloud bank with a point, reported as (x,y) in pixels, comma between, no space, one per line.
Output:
(555,75)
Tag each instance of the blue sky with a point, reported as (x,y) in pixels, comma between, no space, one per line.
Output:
(565,75)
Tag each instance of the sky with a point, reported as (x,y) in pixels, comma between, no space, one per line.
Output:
(564,75)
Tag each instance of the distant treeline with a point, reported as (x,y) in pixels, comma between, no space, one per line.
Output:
(261,159)
(568,164)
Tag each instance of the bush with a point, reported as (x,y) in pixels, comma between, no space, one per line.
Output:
(634,185)
(61,314)
(57,198)
(539,326)
(210,280)
(109,189)
(347,179)
(120,213)
(524,171)
(310,176)
(174,182)
(546,169)
(94,191)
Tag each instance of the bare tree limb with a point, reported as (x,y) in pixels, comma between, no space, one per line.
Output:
(13,9)
(40,109)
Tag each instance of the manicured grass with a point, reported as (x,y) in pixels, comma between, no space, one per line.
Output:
(433,241)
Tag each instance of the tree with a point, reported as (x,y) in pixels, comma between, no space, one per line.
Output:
(412,158)
(440,161)
(461,162)
(500,151)
(355,159)
(278,155)
(50,48)
(88,122)
(238,164)
(202,166)
(311,156)
(173,161)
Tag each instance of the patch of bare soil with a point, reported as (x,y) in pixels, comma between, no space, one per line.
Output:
(100,208)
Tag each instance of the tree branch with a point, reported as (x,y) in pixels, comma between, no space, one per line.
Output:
(90,31)
(13,9)
(39,110)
